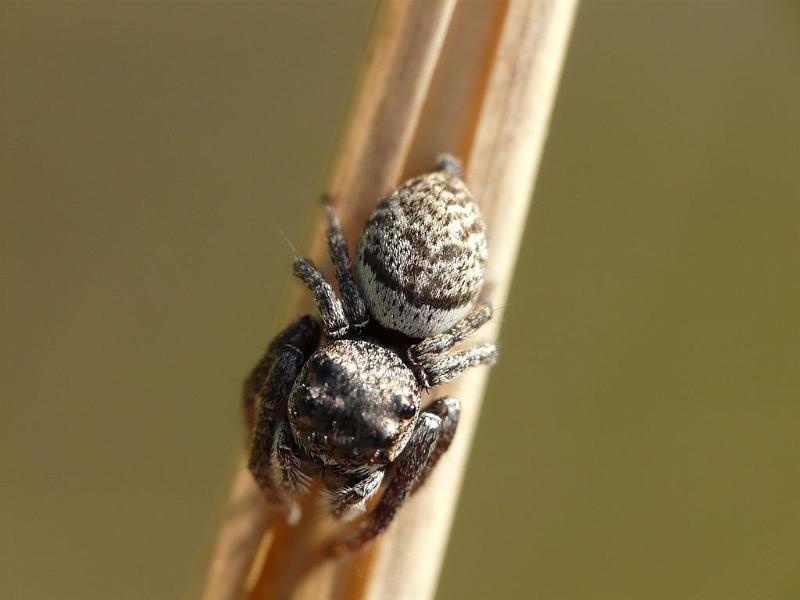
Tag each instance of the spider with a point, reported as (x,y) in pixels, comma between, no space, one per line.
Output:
(339,399)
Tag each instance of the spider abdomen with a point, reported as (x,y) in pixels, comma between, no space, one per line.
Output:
(421,256)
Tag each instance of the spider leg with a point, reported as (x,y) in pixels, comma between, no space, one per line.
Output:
(330,308)
(354,308)
(404,473)
(347,501)
(443,368)
(302,334)
(287,473)
(270,417)
(438,344)
(448,163)
(448,410)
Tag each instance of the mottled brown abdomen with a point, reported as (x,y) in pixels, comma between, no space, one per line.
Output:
(421,256)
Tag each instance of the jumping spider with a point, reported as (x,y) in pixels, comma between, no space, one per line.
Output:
(340,400)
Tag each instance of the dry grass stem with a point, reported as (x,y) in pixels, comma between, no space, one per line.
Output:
(477,79)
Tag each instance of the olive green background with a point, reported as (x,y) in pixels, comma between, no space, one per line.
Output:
(640,434)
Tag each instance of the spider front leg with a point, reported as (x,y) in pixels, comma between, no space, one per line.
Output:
(448,410)
(403,474)
(349,500)
(269,430)
(287,471)
(302,334)
(266,392)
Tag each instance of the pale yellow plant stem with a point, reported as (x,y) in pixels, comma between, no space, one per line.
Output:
(477,79)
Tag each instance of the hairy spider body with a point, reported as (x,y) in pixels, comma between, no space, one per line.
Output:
(339,399)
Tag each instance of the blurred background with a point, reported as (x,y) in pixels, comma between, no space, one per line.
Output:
(640,435)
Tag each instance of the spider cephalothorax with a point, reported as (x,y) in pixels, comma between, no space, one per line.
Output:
(340,400)
(354,404)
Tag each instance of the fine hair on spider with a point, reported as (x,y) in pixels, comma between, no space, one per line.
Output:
(337,398)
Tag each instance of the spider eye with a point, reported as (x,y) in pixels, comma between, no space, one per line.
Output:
(404,408)
(406,411)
